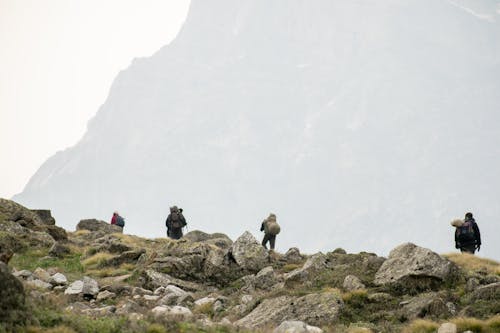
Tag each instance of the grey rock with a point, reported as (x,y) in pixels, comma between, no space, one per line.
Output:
(447,328)
(97,227)
(487,292)
(24,274)
(153,279)
(249,254)
(294,326)
(352,282)
(314,265)
(426,305)
(41,274)
(39,284)
(265,278)
(471,284)
(316,309)
(413,268)
(58,279)
(45,216)
(293,256)
(203,301)
(105,295)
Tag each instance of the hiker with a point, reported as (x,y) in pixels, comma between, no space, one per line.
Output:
(118,220)
(271,228)
(467,235)
(175,222)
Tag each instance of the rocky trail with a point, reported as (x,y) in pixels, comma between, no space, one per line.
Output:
(97,279)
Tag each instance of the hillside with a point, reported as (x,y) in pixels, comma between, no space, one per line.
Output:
(98,279)
(377,118)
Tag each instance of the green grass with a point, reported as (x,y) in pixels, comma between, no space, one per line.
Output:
(34,258)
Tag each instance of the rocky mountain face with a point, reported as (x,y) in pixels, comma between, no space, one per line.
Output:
(373,121)
(98,279)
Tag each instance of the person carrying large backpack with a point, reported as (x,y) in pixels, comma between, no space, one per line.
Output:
(118,220)
(467,235)
(271,228)
(175,222)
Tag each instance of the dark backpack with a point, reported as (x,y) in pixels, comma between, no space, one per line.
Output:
(176,221)
(466,233)
(120,221)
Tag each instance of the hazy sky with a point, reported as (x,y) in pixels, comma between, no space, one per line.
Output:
(58,59)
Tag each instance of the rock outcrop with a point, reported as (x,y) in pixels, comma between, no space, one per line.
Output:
(411,268)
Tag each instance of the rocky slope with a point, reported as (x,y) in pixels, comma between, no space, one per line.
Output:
(98,279)
(359,112)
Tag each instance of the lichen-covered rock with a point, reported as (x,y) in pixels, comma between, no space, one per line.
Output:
(425,305)
(313,266)
(411,268)
(315,309)
(59,250)
(293,256)
(352,282)
(153,279)
(295,326)
(45,215)
(265,278)
(97,227)
(249,254)
(58,279)
(86,288)
(58,233)
(12,299)
(487,292)
(218,239)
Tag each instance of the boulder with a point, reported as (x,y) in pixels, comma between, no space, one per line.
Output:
(265,279)
(295,326)
(352,282)
(97,227)
(58,233)
(45,216)
(313,266)
(218,239)
(59,250)
(86,288)
(412,269)
(39,284)
(174,313)
(425,305)
(105,295)
(12,299)
(12,211)
(249,254)
(447,328)
(153,279)
(315,309)
(293,256)
(487,292)
(58,279)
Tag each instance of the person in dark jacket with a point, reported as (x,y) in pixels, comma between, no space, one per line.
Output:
(175,222)
(467,235)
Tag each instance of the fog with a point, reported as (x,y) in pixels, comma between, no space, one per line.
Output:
(360,124)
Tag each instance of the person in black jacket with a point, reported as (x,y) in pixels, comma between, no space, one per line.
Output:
(175,222)
(467,235)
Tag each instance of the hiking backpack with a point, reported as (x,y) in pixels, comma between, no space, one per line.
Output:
(466,233)
(120,221)
(272,228)
(176,220)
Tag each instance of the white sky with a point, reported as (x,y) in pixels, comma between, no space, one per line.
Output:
(58,59)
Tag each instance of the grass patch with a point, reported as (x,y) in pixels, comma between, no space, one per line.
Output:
(97,261)
(111,271)
(290,267)
(206,309)
(421,326)
(33,258)
(471,262)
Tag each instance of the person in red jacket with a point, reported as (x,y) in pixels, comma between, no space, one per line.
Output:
(113,219)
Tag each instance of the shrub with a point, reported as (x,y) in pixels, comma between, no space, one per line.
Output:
(156,328)
(470,324)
